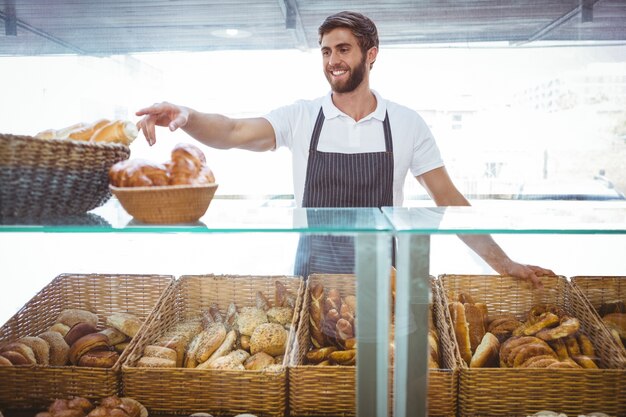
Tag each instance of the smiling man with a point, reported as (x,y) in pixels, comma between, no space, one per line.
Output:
(351,148)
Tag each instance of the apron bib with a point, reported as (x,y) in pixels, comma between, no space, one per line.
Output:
(341,180)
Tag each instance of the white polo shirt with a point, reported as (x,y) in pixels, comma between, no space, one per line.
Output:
(414,147)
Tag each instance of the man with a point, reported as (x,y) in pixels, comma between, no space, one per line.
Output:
(351,148)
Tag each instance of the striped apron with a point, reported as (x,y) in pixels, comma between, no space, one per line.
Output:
(340,180)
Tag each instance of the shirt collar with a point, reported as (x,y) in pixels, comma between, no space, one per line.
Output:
(331,111)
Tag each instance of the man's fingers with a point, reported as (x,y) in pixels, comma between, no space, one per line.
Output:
(536,281)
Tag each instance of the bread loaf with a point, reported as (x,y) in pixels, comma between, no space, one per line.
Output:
(616,321)
(118,131)
(486,354)
(475,323)
(40,348)
(461,330)
(270,338)
(71,316)
(99,359)
(316,315)
(126,323)
(59,350)
(85,132)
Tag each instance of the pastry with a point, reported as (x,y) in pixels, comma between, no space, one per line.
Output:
(118,131)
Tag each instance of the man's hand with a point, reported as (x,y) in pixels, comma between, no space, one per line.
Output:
(161,114)
(530,273)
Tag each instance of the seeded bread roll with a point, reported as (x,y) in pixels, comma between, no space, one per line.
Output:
(270,338)
(40,348)
(59,350)
(152,362)
(250,318)
(159,352)
(280,315)
(71,316)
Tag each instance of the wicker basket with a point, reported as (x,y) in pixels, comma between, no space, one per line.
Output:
(219,392)
(169,204)
(330,390)
(30,386)
(600,289)
(521,392)
(48,178)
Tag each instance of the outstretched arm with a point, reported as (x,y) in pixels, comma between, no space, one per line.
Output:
(444,193)
(217,131)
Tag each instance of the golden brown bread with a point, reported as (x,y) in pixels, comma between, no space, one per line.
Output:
(16,358)
(567,327)
(210,340)
(280,315)
(616,321)
(5,361)
(560,348)
(59,133)
(117,131)
(85,132)
(461,330)
(250,318)
(316,315)
(343,357)
(152,362)
(543,321)
(155,351)
(475,323)
(225,348)
(99,359)
(115,336)
(77,331)
(319,355)
(60,328)
(486,355)
(22,349)
(585,361)
(93,341)
(529,350)
(188,166)
(126,323)
(258,361)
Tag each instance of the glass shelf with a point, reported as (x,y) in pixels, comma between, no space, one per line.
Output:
(221,217)
(570,218)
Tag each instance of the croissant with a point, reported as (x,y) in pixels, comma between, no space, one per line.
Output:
(138,173)
(85,132)
(188,166)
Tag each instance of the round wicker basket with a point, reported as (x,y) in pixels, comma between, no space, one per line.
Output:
(55,177)
(168,204)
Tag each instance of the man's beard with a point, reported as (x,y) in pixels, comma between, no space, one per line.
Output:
(354,80)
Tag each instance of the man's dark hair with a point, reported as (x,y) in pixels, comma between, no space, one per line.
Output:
(361,26)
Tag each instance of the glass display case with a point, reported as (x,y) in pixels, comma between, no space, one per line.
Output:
(571,238)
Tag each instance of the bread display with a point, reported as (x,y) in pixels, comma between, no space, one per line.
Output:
(547,337)
(252,337)
(112,406)
(187,166)
(74,339)
(100,131)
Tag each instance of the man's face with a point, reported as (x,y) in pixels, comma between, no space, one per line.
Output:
(345,66)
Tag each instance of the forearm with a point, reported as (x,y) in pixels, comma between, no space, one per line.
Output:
(213,130)
(489,251)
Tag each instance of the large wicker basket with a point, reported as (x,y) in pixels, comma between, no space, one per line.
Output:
(598,290)
(521,392)
(219,392)
(330,390)
(55,177)
(34,386)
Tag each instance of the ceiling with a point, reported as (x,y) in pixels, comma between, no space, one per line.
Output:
(96,27)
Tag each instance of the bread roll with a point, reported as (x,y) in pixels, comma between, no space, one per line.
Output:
(115,336)
(40,348)
(155,351)
(99,359)
(270,338)
(126,323)
(23,349)
(16,358)
(210,340)
(5,361)
(59,350)
(60,328)
(319,355)
(280,315)
(568,327)
(71,316)
(486,354)
(152,362)
(77,331)
(59,133)
(225,348)
(118,131)
(93,341)
(138,173)
(258,361)
(343,357)
(250,318)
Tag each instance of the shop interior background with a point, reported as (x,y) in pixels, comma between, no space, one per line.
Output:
(539,120)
